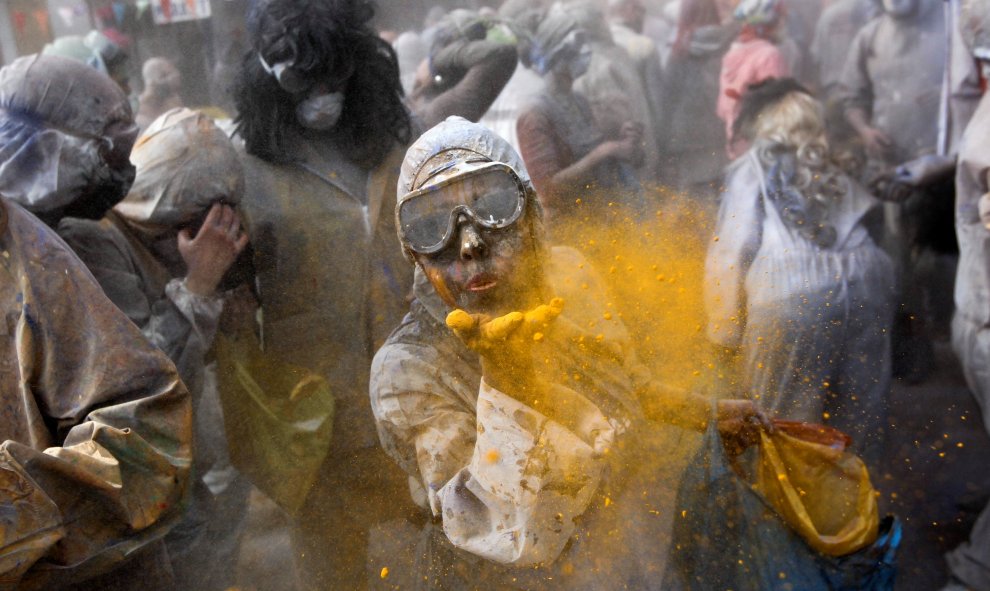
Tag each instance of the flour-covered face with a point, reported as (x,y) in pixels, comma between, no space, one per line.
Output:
(899,7)
(484,271)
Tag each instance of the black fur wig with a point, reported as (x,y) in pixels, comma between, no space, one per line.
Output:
(324,40)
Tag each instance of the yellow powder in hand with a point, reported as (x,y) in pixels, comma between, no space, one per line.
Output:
(500,328)
(460,320)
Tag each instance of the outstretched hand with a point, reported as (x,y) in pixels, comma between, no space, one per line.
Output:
(506,343)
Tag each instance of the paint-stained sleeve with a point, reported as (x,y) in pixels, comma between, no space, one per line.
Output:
(99,459)
(738,234)
(178,322)
(507,481)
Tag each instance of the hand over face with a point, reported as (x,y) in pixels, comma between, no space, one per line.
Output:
(213,250)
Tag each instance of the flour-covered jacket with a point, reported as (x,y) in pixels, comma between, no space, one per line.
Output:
(519,485)
(758,260)
(894,72)
(811,312)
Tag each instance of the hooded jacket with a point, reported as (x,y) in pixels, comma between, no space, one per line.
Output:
(65,131)
(97,429)
(510,483)
(185,164)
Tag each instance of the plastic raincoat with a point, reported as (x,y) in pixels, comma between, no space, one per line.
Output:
(97,427)
(533,494)
(185,164)
(64,134)
(971,323)
(812,319)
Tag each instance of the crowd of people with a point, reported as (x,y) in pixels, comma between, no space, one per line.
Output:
(382,285)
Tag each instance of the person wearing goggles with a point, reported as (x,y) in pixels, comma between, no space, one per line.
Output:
(462,225)
(505,354)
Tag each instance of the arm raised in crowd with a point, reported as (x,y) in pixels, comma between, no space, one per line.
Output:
(465,76)
(97,428)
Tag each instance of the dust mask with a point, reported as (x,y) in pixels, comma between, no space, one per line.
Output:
(320,112)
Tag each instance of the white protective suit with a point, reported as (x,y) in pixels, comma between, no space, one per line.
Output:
(970,562)
(813,322)
(528,491)
(185,164)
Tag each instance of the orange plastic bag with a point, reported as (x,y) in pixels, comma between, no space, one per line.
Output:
(821,490)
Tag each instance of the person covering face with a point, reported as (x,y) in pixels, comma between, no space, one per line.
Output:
(160,255)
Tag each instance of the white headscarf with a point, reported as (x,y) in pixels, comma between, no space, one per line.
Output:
(185,164)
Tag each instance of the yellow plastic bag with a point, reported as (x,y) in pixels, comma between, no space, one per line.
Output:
(820,490)
(278,418)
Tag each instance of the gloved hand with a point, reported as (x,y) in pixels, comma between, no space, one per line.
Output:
(212,250)
(506,345)
(886,187)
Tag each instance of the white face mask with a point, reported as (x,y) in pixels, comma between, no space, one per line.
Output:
(899,7)
(321,112)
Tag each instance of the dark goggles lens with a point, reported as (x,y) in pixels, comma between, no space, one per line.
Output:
(290,79)
(493,198)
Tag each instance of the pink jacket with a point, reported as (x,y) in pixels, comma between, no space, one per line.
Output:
(746,62)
